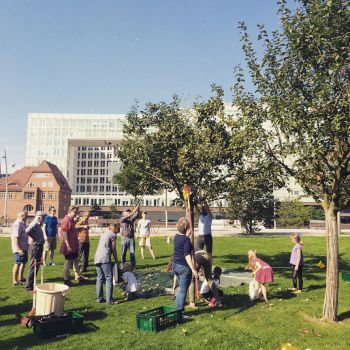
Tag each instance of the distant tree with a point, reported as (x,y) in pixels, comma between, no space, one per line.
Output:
(251,201)
(316,213)
(292,214)
(298,112)
(95,210)
(113,212)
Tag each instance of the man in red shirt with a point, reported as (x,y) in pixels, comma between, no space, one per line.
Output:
(70,246)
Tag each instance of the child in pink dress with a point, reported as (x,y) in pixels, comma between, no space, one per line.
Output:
(262,272)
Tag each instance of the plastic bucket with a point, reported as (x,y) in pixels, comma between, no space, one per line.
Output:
(50,298)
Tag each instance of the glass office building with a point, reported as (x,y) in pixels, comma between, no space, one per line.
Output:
(83,147)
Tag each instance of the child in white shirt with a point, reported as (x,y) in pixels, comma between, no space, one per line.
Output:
(129,283)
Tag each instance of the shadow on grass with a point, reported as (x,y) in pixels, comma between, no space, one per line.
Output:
(343,316)
(16,309)
(30,340)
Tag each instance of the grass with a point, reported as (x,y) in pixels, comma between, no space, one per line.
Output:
(241,325)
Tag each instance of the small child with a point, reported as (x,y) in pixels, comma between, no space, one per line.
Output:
(297,262)
(205,290)
(129,283)
(262,272)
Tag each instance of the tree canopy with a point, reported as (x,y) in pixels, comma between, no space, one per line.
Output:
(298,113)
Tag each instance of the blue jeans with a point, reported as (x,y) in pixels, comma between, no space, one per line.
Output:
(104,273)
(128,243)
(184,276)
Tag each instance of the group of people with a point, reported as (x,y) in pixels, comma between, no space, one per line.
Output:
(38,241)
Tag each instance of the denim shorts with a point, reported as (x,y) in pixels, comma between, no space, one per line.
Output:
(21,259)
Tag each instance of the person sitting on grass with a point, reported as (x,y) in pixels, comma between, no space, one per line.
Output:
(129,284)
(297,262)
(262,272)
(206,291)
(103,262)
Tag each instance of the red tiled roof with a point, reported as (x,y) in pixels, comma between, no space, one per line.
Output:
(47,167)
(20,177)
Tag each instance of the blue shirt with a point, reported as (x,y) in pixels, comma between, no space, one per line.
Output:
(182,248)
(51,226)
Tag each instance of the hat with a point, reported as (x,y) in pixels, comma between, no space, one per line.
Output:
(40,213)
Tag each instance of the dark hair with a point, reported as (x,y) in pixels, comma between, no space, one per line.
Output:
(183,225)
(217,271)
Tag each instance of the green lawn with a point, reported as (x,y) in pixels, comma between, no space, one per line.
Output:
(240,325)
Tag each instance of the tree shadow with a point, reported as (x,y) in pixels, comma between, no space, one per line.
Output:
(343,316)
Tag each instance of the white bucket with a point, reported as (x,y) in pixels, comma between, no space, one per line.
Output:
(50,298)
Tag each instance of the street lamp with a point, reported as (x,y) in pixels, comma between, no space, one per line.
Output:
(6,188)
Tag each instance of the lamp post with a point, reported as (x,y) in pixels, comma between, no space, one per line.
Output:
(6,189)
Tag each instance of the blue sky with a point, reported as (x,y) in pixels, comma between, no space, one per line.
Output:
(100,55)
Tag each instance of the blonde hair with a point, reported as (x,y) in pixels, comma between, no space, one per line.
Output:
(72,207)
(297,238)
(183,225)
(252,255)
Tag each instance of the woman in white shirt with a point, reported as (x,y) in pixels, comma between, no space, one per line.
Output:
(144,232)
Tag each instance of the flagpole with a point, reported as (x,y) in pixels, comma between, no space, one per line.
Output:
(6,189)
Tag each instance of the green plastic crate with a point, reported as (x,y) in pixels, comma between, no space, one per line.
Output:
(155,320)
(51,327)
(345,276)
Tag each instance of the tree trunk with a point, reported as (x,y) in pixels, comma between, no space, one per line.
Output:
(330,306)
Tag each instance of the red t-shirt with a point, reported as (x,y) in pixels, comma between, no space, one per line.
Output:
(68,225)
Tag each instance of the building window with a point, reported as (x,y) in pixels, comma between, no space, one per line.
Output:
(89,171)
(50,195)
(78,178)
(102,172)
(2,196)
(83,155)
(83,164)
(89,163)
(82,180)
(78,163)
(83,172)
(31,184)
(108,188)
(88,188)
(102,180)
(28,208)
(82,188)
(11,195)
(29,195)
(109,156)
(43,195)
(95,189)
(103,163)
(95,171)
(102,188)
(89,180)
(96,163)
(78,172)
(83,148)
(77,189)
(95,180)
(90,155)
(41,207)
(97,155)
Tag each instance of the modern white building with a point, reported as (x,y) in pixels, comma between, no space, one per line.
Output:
(83,147)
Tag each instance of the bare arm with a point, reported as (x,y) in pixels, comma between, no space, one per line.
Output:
(207,208)
(257,268)
(15,244)
(190,264)
(114,251)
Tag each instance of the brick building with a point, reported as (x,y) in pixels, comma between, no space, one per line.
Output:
(34,188)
